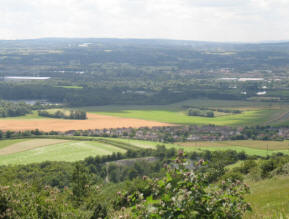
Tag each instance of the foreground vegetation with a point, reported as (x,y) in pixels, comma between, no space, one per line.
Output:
(273,203)
(145,183)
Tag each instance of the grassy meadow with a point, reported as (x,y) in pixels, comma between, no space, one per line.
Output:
(68,151)
(269,198)
(6,143)
(253,113)
(254,144)
(74,150)
(251,147)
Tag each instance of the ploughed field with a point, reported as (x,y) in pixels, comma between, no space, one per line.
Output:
(94,121)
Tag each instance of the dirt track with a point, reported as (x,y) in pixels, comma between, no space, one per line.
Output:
(94,121)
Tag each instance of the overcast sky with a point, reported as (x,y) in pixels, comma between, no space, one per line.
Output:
(206,20)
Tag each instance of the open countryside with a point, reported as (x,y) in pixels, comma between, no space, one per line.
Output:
(132,128)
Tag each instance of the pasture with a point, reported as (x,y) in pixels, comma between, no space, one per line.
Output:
(5,143)
(23,151)
(253,113)
(262,145)
(250,147)
(46,150)
(29,145)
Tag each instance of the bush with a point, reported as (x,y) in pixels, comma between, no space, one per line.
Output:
(283,170)
(184,193)
(247,165)
(233,176)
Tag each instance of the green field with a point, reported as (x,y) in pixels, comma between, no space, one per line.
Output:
(250,147)
(6,143)
(269,198)
(68,151)
(253,113)
(76,148)
(254,144)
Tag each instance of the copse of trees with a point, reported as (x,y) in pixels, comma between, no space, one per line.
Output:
(196,112)
(10,109)
(200,109)
(73,114)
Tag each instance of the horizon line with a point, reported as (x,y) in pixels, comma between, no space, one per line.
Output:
(168,39)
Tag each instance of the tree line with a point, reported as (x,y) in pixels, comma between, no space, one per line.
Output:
(73,114)
(11,109)
(196,112)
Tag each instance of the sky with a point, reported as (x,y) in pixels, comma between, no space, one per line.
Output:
(203,20)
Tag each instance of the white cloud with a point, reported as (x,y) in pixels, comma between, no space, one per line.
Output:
(215,20)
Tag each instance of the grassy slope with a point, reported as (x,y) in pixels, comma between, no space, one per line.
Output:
(269,198)
(70,151)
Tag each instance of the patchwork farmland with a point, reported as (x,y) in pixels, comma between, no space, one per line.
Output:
(24,151)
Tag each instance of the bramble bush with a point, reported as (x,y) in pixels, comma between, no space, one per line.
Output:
(185,193)
(25,201)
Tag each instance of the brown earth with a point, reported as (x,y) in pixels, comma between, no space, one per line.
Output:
(28,145)
(94,121)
